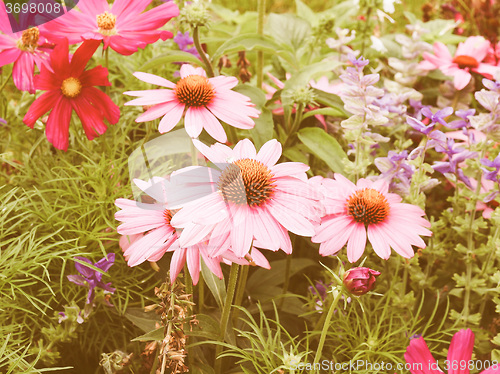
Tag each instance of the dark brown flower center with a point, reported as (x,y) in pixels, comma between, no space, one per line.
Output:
(71,87)
(368,206)
(106,23)
(246,181)
(194,90)
(29,39)
(464,61)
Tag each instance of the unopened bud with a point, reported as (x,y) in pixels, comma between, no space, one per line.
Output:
(360,280)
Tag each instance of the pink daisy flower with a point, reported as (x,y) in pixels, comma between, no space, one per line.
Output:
(70,87)
(468,57)
(253,200)
(24,49)
(151,235)
(121,26)
(420,359)
(353,210)
(202,99)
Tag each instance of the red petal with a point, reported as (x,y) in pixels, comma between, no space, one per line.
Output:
(57,128)
(82,56)
(59,58)
(103,103)
(41,106)
(97,76)
(92,119)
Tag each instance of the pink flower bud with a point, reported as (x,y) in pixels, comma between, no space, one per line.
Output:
(360,280)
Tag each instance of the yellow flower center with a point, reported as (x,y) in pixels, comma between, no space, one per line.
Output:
(106,23)
(29,39)
(194,90)
(368,206)
(464,61)
(71,87)
(246,181)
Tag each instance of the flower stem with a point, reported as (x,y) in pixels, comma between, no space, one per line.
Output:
(238,298)
(5,82)
(287,280)
(201,293)
(194,154)
(296,124)
(261,10)
(201,52)
(326,326)
(106,56)
(231,287)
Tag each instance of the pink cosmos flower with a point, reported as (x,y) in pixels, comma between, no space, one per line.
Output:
(201,98)
(420,359)
(121,26)
(468,57)
(70,87)
(252,200)
(352,210)
(151,235)
(24,49)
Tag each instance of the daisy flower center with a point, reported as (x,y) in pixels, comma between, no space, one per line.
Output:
(71,87)
(167,214)
(194,90)
(464,61)
(29,39)
(246,181)
(368,206)
(106,23)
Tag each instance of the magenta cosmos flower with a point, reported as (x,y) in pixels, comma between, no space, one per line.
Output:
(253,200)
(24,49)
(201,98)
(420,361)
(353,210)
(121,26)
(468,57)
(70,87)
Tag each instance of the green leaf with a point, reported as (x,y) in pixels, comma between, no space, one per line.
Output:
(264,125)
(247,42)
(157,334)
(325,147)
(263,278)
(216,285)
(288,29)
(145,321)
(173,56)
(334,112)
(208,327)
(304,12)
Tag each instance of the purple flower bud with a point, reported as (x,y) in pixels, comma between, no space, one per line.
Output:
(419,126)
(360,280)
(360,62)
(439,116)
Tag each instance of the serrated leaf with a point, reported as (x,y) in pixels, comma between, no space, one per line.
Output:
(325,147)
(169,57)
(157,334)
(304,12)
(217,286)
(288,29)
(145,321)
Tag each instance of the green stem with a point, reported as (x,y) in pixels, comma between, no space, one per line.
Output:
(326,326)
(106,54)
(261,10)
(470,246)
(194,154)
(405,279)
(365,29)
(416,186)
(5,82)
(231,287)
(240,292)
(201,294)
(201,52)
(296,124)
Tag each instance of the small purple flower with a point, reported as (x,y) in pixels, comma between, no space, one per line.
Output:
(463,121)
(91,278)
(419,126)
(439,116)
(319,289)
(2,121)
(492,86)
(184,41)
(456,155)
(359,63)
(488,174)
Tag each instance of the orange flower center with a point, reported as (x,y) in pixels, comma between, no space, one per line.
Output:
(71,87)
(167,214)
(464,61)
(246,181)
(194,90)
(106,23)
(29,39)
(368,206)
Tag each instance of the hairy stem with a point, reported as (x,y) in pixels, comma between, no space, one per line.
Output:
(261,10)
(231,287)
(201,52)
